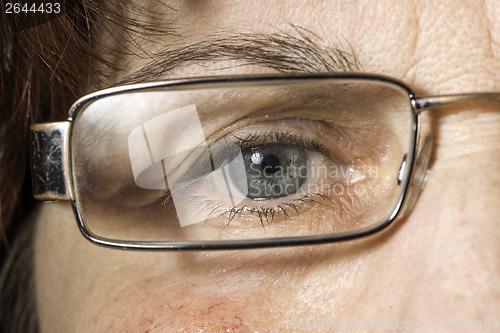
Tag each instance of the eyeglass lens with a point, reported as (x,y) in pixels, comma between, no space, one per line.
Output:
(300,158)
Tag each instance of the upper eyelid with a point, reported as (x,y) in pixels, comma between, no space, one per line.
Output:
(280,137)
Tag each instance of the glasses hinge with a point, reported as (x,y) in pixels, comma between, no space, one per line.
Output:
(49,161)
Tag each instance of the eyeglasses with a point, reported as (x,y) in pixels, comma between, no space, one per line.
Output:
(239,162)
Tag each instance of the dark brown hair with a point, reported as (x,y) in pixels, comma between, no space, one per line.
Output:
(45,67)
(42,67)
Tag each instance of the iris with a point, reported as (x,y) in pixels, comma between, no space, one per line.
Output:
(273,170)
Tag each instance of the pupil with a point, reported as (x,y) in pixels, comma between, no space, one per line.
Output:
(273,170)
(270,164)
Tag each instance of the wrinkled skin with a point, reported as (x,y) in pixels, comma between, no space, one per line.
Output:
(443,262)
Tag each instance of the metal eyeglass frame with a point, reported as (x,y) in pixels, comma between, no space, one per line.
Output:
(52,156)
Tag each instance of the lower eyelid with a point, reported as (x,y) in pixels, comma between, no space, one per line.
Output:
(251,213)
(311,211)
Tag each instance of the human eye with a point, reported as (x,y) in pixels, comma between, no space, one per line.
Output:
(267,174)
(241,162)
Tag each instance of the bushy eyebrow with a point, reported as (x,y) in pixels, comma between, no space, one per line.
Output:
(286,52)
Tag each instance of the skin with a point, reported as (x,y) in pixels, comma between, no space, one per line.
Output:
(441,263)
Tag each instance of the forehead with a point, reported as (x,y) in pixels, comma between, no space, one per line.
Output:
(410,40)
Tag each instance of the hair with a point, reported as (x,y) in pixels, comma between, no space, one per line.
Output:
(45,66)
(40,73)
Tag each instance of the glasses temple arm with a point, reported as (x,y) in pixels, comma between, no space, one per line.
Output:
(425,102)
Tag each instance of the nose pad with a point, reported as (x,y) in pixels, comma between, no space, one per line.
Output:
(419,175)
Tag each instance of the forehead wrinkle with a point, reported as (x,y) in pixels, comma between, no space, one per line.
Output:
(284,52)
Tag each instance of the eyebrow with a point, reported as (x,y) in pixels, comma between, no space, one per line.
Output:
(285,52)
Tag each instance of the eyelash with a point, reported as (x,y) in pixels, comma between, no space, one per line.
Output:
(264,212)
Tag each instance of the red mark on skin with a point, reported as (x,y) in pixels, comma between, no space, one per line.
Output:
(175,308)
(155,327)
(240,320)
(205,315)
(215,305)
(183,311)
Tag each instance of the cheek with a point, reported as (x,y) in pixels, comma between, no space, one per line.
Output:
(53,264)
(214,292)
(150,308)
(82,287)
(226,294)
